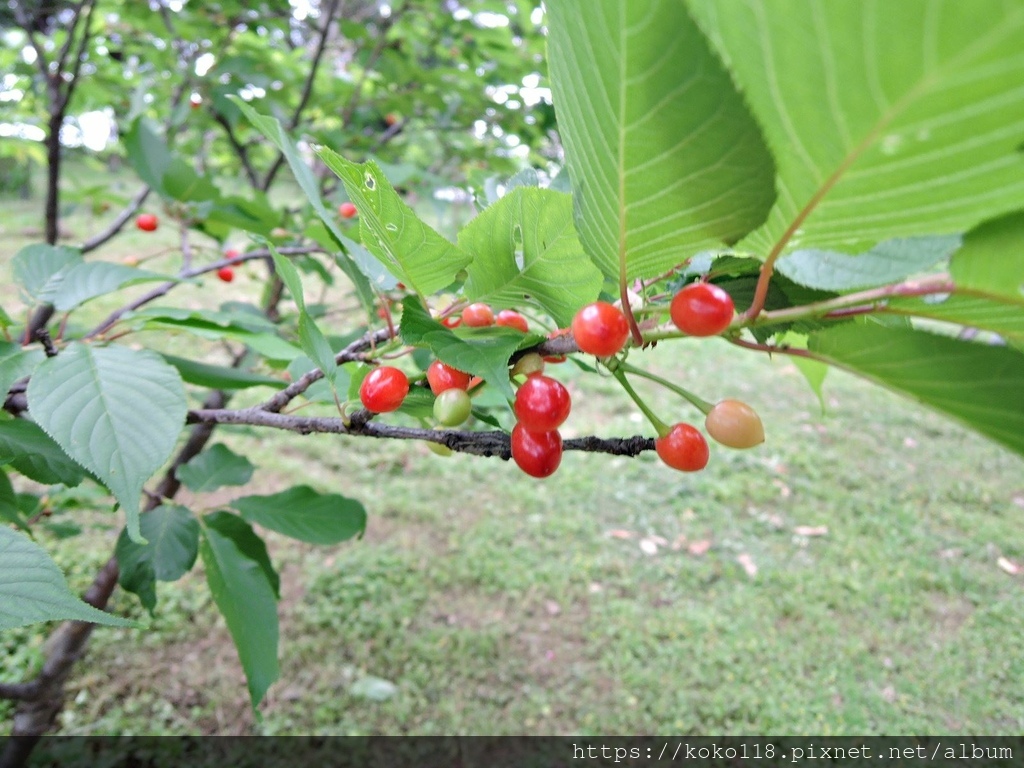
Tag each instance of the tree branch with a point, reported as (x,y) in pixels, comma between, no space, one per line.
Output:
(118,223)
(307,90)
(240,149)
(76,65)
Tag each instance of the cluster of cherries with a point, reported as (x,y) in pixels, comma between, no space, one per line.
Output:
(542,404)
(148,222)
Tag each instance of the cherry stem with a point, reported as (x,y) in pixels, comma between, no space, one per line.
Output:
(659,426)
(702,405)
(627,311)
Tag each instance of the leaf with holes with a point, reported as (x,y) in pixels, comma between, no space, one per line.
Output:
(665,158)
(886,119)
(32,588)
(413,252)
(527,247)
(114,410)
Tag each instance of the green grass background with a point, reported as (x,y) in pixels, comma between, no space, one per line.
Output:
(484,602)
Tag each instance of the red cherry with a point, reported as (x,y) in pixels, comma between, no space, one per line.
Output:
(542,404)
(383,389)
(512,319)
(231,254)
(347,210)
(147,222)
(538,454)
(600,329)
(441,376)
(451,321)
(702,309)
(390,119)
(227,274)
(683,448)
(478,316)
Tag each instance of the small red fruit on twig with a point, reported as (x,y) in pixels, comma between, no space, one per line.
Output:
(683,448)
(441,377)
(347,210)
(702,309)
(600,329)
(478,316)
(227,274)
(538,454)
(147,222)
(384,389)
(509,318)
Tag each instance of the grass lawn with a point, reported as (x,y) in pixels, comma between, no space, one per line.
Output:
(842,578)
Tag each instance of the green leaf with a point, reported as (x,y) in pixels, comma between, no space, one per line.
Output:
(992,259)
(218,376)
(88,280)
(245,595)
(360,272)
(16,363)
(412,251)
(172,544)
(979,384)
(5,320)
(814,371)
(214,468)
(1002,318)
(664,156)
(525,246)
(33,453)
(311,338)
(114,410)
(147,153)
(482,352)
(305,514)
(32,588)
(886,119)
(887,262)
(10,510)
(39,268)
(215,325)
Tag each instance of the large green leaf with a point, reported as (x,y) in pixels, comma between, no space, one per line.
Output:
(147,153)
(979,384)
(33,589)
(362,272)
(886,119)
(215,325)
(10,511)
(971,311)
(482,352)
(28,449)
(305,514)
(245,595)
(172,544)
(16,363)
(665,158)
(887,262)
(214,468)
(40,268)
(525,246)
(114,410)
(412,251)
(992,259)
(220,377)
(88,280)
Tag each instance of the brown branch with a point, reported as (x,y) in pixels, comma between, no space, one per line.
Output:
(240,149)
(76,65)
(307,90)
(118,223)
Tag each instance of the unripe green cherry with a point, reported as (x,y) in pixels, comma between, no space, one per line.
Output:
(438,448)
(528,365)
(452,407)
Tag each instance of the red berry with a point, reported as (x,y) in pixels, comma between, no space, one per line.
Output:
(702,309)
(227,274)
(347,210)
(478,315)
(538,454)
(600,329)
(383,389)
(231,254)
(441,376)
(512,319)
(542,404)
(390,119)
(735,424)
(147,222)
(451,321)
(683,448)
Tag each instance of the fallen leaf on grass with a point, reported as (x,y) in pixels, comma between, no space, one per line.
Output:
(698,548)
(678,542)
(552,607)
(748,564)
(811,530)
(1009,566)
(648,546)
(618,533)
